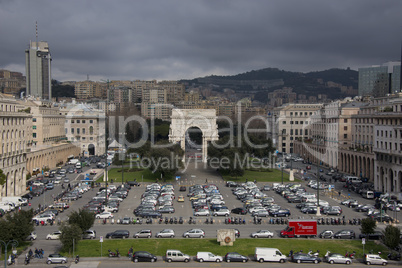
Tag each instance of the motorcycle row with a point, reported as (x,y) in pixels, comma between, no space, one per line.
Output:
(338,221)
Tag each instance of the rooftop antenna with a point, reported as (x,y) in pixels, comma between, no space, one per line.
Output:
(37,46)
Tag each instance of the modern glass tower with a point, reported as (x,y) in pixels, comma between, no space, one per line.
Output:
(38,70)
(380,80)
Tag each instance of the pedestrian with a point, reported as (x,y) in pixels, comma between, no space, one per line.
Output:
(130,252)
(42,252)
(206,180)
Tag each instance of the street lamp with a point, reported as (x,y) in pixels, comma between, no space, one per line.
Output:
(14,244)
(318,188)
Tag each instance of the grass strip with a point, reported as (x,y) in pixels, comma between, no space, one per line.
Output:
(245,246)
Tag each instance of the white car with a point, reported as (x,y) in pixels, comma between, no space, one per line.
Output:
(202,212)
(104,215)
(217,202)
(222,212)
(53,236)
(43,218)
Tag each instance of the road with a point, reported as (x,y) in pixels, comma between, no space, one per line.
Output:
(195,172)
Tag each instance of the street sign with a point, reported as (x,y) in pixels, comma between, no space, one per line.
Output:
(101,239)
(363,241)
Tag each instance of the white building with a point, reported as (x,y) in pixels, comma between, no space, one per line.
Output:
(85,126)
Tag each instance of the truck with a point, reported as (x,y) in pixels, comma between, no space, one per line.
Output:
(300,228)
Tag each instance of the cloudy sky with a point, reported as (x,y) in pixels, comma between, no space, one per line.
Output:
(184,39)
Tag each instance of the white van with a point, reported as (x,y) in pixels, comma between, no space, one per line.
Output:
(208,256)
(17,200)
(78,165)
(368,194)
(353,179)
(269,254)
(73,161)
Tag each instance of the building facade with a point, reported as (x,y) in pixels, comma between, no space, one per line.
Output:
(85,127)
(380,80)
(15,127)
(38,70)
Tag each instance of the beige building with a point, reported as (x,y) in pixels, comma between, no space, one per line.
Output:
(289,122)
(11,82)
(16,130)
(90,89)
(85,127)
(47,123)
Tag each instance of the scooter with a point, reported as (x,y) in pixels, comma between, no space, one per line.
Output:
(315,254)
(350,255)
(27,260)
(181,220)
(77,259)
(113,254)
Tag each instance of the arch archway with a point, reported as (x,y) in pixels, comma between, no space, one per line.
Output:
(204,119)
(91,149)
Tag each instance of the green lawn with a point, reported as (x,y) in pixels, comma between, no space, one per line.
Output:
(245,246)
(274,175)
(131,174)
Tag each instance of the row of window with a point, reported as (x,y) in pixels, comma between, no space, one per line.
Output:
(79,121)
(80,130)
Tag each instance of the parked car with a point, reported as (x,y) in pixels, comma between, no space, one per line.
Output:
(350,203)
(374,259)
(373,236)
(126,220)
(208,256)
(202,212)
(118,234)
(234,256)
(241,211)
(143,234)
(327,234)
(176,255)
(32,236)
(104,215)
(338,258)
(280,213)
(89,234)
(222,212)
(194,233)
(53,236)
(262,233)
(165,233)
(345,234)
(56,258)
(143,256)
(302,257)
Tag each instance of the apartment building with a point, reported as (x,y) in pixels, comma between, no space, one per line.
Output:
(85,127)
(289,123)
(16,130)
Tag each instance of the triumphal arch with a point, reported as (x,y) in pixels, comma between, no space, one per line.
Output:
(204,119)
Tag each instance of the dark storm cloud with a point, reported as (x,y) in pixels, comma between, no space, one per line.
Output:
(187,39)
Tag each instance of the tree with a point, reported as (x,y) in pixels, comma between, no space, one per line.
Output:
(84,219)
(392,236)
(16,226)
(70,235)
(368,226)
(2,177)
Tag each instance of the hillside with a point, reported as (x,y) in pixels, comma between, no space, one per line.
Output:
(269,79)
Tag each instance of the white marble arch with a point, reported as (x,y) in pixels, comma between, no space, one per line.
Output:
(204,119)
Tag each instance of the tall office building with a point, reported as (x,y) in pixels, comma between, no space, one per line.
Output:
(380,80)
(38,70)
